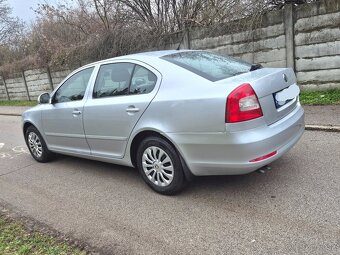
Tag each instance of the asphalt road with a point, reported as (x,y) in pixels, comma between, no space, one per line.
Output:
(293,209)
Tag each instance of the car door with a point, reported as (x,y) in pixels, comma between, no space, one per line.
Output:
(121,94)
(63,119)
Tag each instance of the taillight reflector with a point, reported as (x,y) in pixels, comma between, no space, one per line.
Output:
(264,157)
(242,104)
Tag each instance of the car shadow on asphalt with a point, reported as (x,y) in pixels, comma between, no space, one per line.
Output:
(252,182)
(94,166)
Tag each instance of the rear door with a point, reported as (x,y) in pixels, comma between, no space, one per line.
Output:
(122,92)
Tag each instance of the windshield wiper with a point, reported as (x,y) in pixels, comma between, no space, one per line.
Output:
(255,67)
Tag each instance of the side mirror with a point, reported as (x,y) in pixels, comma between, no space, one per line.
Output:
(44,98)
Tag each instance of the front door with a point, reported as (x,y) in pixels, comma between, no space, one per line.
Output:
(63,119)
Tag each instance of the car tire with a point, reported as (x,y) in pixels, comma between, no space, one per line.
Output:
(36,145)
(160,166)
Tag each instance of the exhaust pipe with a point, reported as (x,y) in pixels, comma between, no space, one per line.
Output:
(263,169)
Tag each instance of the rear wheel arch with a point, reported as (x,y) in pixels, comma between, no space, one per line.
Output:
(137,140)
(151,133)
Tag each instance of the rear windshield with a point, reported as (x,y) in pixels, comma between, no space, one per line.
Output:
(209,65)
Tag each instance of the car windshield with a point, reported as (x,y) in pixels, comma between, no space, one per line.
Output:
(209,65)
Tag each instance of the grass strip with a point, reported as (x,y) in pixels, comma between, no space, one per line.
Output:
(18,103)
(15,239)
(325,97)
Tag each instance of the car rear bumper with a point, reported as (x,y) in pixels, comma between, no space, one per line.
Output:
(229,153)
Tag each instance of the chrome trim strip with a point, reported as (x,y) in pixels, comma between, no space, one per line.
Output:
(102,137)
(65,135)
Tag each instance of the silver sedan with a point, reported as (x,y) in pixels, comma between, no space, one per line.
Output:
(171,114)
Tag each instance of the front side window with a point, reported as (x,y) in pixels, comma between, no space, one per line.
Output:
(74,87)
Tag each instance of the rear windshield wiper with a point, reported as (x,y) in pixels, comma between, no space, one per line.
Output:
(255,67)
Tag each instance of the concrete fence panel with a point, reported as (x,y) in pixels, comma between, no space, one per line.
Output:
(37,82)
(29,84)
(317,44)
(16,87)
(59,76)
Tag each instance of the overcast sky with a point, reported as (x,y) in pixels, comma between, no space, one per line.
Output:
(24,9)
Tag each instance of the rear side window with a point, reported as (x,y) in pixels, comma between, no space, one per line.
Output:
(123,79)
(143,81)
(113,80)
(209,65)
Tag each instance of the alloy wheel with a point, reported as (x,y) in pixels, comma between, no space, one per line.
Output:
(158,166)
(35,144)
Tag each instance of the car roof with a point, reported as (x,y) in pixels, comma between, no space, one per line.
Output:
(139,56)
(157,54)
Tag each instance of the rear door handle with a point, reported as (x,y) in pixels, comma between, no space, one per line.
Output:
(76,112)
(132,109)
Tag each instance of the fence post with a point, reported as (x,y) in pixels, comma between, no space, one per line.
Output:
(24,78)
(49,77)
(186,39)
(289,35)
(5,85)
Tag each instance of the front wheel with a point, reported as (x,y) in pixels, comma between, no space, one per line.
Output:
(37,145)
(160,166)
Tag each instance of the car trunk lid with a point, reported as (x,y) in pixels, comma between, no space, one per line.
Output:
(277,92)
(275,88)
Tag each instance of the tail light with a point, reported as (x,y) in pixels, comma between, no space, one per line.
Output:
(242,104)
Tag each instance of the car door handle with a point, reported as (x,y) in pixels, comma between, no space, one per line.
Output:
(76,113)
(132,109)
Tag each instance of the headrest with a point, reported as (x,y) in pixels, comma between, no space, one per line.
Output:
(119,74)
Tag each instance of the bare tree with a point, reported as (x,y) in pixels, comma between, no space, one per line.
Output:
(9,26)
(164,16)
(281,3)
(84,31)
